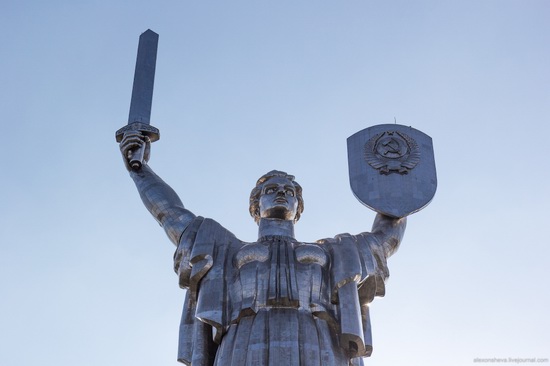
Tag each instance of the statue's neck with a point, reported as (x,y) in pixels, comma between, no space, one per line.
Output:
(275,227)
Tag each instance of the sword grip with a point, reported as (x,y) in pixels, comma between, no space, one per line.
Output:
(135,158)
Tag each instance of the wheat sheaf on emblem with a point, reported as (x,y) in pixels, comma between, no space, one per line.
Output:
(392,152)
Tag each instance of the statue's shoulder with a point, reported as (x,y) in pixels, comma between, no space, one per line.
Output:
(207,230)
(204,243)
(337,239)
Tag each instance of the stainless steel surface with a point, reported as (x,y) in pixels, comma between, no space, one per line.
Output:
(142,96)
(279,301)
(275,301)
(144,78)
(392,169)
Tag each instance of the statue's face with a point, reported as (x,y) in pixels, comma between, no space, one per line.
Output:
(278,199)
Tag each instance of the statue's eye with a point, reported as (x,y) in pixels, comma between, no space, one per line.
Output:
(269,190)
(290,192)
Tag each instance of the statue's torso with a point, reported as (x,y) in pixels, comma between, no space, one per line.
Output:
(273,302)
(282,311)
(279,272)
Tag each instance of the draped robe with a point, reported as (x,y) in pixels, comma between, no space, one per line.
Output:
(276,301)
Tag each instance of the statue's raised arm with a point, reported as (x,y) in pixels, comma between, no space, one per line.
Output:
(157,196)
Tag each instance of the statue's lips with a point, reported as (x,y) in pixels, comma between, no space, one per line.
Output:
(281,200)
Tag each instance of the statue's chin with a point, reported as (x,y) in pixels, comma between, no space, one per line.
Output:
(278,213)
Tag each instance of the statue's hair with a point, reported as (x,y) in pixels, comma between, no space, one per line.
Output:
(257,190)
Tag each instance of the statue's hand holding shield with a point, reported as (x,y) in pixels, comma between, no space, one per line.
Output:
(392,169)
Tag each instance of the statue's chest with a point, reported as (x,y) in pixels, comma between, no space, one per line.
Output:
(280,273)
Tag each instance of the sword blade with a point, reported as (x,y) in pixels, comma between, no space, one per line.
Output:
(144,78)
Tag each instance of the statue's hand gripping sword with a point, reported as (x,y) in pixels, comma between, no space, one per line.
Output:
(142,96)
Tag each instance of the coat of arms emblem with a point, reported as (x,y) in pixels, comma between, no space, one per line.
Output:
(392,169)
(392,152)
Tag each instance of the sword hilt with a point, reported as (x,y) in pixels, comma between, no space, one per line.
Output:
(135,157)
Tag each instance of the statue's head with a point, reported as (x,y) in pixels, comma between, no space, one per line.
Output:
(277,196)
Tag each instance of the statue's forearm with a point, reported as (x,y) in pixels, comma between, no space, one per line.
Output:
(162,202)
(389,231)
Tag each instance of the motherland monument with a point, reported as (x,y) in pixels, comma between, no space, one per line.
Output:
(278,301)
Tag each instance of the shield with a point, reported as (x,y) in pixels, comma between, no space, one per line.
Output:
(392,169)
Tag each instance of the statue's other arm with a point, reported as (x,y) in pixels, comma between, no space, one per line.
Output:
(157,196)
(389,232)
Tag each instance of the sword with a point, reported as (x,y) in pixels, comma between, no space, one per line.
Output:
(142,96)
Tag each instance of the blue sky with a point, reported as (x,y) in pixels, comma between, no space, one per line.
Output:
(244,87)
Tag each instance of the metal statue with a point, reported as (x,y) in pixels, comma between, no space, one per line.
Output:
(278,301)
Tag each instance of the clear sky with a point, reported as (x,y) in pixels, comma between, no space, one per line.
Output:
(244,87)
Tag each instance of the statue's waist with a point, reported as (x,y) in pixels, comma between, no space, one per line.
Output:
(314,310)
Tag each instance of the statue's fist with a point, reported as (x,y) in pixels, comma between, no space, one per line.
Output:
(132,145)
